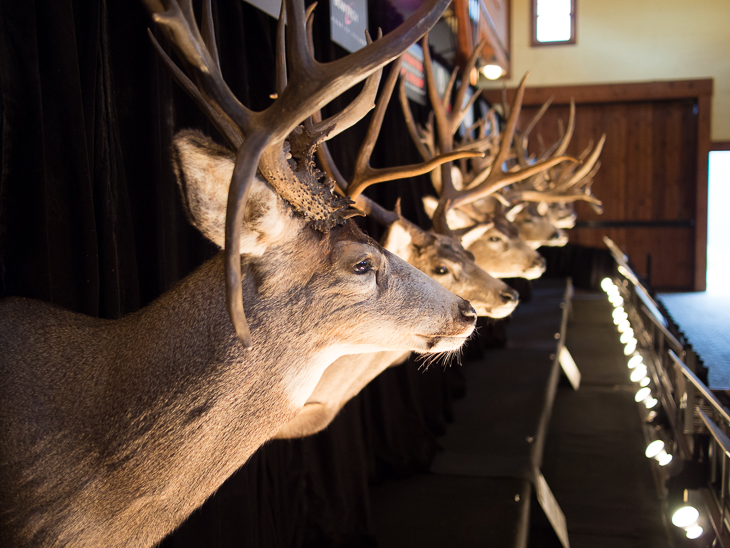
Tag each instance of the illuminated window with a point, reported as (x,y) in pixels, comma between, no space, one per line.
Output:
(553,22)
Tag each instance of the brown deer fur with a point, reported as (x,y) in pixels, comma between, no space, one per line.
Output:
(113,432)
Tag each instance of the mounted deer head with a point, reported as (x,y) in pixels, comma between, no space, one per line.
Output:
(440,256)
(458,189)
(492,239)
(113,432)
(548,197)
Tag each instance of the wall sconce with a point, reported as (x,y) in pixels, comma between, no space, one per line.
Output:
(655,450)
(492,71)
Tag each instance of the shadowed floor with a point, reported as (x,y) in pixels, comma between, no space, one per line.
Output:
(588,444)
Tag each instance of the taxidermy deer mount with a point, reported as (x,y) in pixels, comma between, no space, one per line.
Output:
(114,431)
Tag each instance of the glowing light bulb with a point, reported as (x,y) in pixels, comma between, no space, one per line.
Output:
(645,381)
(664,458)
(638,373)
(650,402)
(630,347)
(607,283)
(642,394)
(654,448)
(491,72)
(627,335)
(635,360)
(686,516)
(624,326)
(618,311)
(695,531)
(620,318)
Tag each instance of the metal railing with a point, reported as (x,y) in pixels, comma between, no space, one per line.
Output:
(698,422)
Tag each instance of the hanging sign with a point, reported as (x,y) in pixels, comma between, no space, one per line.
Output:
(272,7)
(348,22)
(412,70)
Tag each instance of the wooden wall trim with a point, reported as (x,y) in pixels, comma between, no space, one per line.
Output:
(610,93)
(720,145)
(704,111)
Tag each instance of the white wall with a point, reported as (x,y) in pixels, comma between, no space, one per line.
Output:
(634,40)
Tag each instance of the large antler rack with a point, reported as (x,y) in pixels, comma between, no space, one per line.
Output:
(492,178)
(366,175)
(565,182)
(260,137)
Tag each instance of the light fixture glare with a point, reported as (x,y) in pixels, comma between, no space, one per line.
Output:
(638,373)
(654,448)
(630,347)
(695,531)
(686,516)
(642,394)
(664,459)
(492,72)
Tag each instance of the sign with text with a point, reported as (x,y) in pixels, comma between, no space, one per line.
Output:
(348,22)
(412,70)
(272,7)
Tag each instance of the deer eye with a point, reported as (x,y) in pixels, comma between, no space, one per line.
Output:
(440,270)
(363,267)
(495,239)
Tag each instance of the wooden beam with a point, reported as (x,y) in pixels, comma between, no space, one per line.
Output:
(609,93)
(719,145)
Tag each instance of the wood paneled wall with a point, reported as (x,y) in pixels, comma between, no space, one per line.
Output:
(653,176)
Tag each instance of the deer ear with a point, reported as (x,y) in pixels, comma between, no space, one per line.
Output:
(473,234)
(454,217)
(430,204)
(204,170)
(512,213)
(398,240)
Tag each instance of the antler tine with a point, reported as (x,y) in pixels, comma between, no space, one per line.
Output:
(587,166)
(524,135)
(438,222)
(232,135)
(281,79)
(357,109)
(416,135)
(209,33)
(489,182)
(450,87)
(568,135)
(365,175)
(366,205)
(459,110)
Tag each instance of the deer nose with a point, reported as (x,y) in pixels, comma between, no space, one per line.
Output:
(555,236)
(539,262)
(467,311)
(509,296)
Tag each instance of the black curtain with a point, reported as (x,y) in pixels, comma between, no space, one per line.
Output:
(91,220)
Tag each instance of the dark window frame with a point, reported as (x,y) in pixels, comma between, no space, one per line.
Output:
(533,27)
